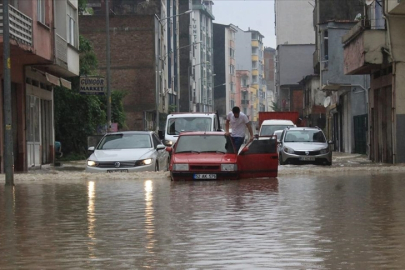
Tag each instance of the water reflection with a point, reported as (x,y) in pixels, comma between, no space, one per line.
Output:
(339,221)
(149,216)
(91,218)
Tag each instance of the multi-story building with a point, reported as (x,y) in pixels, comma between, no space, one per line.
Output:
(293,22)
(269,65)
(44,45)
(224,65)
(375,47)
(196,63)
(249,56)
(144,56)
(244,92)
(345,95)
(293,62)
(294,32)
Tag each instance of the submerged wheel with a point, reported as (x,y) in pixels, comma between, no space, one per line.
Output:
(280,160)
(156,166)
(167,164)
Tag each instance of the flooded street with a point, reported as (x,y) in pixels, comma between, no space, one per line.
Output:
(349,220)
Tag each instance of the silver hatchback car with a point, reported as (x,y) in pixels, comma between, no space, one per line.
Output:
(304,145)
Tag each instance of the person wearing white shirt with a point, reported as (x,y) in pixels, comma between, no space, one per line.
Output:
(238,121)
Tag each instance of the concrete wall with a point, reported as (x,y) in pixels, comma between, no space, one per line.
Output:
(243,50)
(295,62)
(294,22)
(334,72)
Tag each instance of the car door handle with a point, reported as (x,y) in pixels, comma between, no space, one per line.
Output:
(274,157)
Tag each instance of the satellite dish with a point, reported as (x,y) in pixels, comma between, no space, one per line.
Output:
(326,102)
(369,2)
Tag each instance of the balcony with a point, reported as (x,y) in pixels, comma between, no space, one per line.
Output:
(362,50)
(255,72)
(245,102)
(396,7)
(255,58)
(205,9)
(20,26)
(255,43)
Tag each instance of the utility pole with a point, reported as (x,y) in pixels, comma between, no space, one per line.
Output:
(107,22)
(8,128)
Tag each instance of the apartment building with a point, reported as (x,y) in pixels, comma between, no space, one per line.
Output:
(294,32)
(44,43)
(196,63)
(225,95)
(378,38)
(249,56)
(144,56)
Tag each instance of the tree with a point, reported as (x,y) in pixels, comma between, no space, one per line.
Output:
(274,106)
(79,116)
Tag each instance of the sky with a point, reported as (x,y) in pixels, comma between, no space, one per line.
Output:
(256,14)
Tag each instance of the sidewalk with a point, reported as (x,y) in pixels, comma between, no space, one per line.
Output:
(339,159)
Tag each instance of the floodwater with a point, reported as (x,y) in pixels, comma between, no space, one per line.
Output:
(312,221)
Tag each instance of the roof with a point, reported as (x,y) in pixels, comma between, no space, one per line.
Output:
(195,133)
(131,132)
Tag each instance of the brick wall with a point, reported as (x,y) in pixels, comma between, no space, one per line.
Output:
(132,67)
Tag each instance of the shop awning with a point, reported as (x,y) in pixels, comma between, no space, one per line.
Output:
(52,79)
(66,83)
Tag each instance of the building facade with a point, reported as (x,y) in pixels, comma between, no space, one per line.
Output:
(347,93)
(269,65)
(250,57)
(293,63)
(196,63)
(224,66)
(44,53)
(288,16)
(378,37)
(144,56)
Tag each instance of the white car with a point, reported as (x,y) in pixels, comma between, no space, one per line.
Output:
(128,151)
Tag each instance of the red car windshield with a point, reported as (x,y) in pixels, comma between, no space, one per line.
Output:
(204,144)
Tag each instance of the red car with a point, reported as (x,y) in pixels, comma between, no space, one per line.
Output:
(211,155)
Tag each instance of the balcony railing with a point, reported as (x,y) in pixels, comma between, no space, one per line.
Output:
(245,102)
(20,25)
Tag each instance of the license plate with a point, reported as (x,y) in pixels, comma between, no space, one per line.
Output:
(307,158)
(117,171)
(205,176)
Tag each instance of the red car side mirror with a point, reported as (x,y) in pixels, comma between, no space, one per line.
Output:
(169,149)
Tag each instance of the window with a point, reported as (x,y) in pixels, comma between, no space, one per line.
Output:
(71,25)
(41,11)
(231,69)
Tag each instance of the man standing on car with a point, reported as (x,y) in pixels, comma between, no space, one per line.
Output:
(238,121)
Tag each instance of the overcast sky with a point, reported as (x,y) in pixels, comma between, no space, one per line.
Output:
(256,14)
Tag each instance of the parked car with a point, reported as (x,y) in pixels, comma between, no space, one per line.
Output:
(211,155)
(304,145)
(128,151)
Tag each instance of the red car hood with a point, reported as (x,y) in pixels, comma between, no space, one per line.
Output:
(204,158)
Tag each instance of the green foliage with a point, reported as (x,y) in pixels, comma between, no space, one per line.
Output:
(172,108)
(274,107)
(82,6)
(78,116)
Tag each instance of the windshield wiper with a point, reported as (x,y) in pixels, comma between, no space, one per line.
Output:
(216,151)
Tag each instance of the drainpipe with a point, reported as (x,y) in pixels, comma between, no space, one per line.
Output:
(391,54)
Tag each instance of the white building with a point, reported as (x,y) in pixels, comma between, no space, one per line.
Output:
(294,22)
(201,56)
